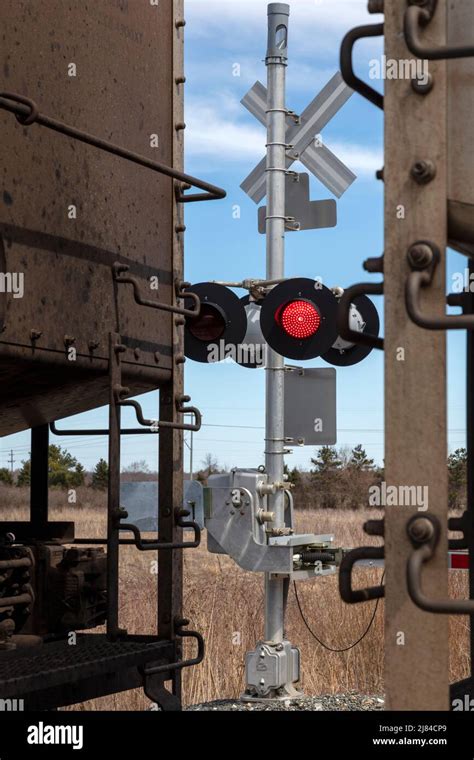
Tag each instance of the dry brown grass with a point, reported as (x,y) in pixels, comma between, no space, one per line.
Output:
(226,605)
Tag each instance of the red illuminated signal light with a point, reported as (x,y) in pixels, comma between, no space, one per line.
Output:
(299,319)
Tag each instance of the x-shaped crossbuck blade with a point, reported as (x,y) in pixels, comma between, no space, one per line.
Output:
(301,136)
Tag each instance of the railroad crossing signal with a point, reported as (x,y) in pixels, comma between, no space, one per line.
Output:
(363,317)
(302,135)
(298,318)
(222,323)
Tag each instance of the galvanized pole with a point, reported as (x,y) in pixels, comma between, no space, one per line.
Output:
(276,62)
(273,667)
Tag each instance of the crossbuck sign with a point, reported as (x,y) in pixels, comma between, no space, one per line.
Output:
(302,136)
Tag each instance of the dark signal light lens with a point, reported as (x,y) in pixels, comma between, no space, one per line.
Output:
(221,322)
(299,319)
(210,325)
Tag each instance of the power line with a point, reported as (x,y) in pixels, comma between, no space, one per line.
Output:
(340,430)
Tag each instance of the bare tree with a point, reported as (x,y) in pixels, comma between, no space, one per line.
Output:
(140,466)
(210,465)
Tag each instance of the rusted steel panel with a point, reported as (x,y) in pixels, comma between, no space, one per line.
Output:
(170,568)
(416,643)
(122,92)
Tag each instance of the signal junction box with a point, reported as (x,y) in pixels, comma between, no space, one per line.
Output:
(239,524)
(268,667)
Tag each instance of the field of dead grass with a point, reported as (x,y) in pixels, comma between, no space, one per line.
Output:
(226,605)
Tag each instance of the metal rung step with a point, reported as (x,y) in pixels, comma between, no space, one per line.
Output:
(28,670)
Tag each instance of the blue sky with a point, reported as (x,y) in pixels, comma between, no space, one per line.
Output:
(223,143)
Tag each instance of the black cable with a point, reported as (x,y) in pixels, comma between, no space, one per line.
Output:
(331,649)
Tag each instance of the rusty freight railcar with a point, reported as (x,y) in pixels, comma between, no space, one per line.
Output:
(70,211)
(91,254)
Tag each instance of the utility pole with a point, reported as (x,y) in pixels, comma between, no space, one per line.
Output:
(11,461)
(276,62)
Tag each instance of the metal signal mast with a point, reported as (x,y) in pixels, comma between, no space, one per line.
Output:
(276,63)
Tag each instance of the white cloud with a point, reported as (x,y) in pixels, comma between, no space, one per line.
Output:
(362,159)
(225,32)
(212,133)
(336,13)
(314,24)
(302,76)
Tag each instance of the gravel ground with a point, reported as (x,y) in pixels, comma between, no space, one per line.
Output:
(337,702)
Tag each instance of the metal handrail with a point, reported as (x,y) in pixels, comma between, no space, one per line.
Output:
(156,424)
(150,545)
(182,633)
(416,18)
(425,533)
(345,331)
(27,113)
(346,591)
(347,69)
(181,292)
(100,431)
(420,277)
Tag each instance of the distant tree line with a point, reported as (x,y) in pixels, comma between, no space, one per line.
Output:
(65,471)
(340,478)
